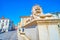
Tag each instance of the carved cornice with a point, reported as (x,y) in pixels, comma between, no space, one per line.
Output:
(30,24)
(38,22)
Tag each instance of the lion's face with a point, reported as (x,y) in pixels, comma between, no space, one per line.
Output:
(36,9)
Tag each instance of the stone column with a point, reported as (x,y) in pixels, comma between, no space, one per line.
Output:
(53,31)
(43,32)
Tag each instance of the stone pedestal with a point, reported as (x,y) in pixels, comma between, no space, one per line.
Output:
(53,32)
(48,30)
(43,32)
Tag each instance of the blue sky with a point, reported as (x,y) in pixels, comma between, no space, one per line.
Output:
(12,9)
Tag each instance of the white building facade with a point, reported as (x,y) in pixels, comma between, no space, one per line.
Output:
(5,24)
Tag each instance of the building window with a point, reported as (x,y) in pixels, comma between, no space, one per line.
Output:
(22,29)
(2,25)
(6,22)
(58,25)
(2,20)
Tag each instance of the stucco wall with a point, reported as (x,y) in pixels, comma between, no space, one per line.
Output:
(53,32)
(32,33)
